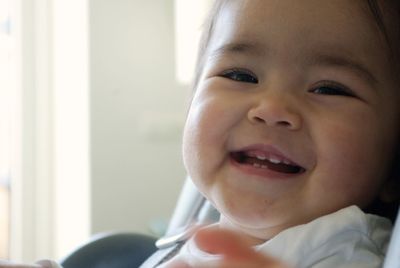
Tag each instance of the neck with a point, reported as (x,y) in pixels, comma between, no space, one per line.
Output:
(252,237)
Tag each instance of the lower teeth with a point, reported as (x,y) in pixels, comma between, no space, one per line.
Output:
(260,166)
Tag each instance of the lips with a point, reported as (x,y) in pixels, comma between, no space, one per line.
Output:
(264,159)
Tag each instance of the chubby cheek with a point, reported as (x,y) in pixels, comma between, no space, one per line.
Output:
(352,163)
(204,141)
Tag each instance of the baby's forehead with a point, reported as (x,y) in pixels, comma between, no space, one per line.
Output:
(266,26)
(381,19)
(326,18)
(260,23)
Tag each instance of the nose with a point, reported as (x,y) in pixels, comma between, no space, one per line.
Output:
(275,111)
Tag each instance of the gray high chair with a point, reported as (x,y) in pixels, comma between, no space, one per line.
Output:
(130,250)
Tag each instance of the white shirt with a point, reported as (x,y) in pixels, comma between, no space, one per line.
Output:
(346,238)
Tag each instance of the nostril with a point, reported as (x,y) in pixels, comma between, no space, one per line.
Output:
(259,120)
(284,123)
(274,114)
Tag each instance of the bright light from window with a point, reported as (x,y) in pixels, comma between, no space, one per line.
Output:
(189,17)
(7,98)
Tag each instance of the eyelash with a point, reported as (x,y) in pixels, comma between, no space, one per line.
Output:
(240,75)
(331,88)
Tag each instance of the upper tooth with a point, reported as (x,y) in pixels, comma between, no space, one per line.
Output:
(275,160)
(261,157)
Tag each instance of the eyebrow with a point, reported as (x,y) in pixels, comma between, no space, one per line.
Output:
(319,59)
(343,62)
(237,48)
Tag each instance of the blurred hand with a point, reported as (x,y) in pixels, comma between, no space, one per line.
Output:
(235,252)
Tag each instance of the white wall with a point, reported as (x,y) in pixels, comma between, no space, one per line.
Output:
(137,114)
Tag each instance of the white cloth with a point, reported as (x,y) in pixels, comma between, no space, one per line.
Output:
(38,264)
(346,238)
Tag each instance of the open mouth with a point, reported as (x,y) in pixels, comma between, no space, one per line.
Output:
(261,160)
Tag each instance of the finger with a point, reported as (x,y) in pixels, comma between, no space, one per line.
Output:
(224,242)
(48,264)
(232,246)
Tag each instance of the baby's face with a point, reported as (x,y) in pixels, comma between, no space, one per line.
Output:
(295,115)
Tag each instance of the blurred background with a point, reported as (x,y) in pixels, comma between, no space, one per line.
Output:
(93,97)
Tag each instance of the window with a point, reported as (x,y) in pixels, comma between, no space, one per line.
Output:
(7,98)
(189,17)
(43,73)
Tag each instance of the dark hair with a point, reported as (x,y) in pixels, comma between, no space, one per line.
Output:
(393,38)
(208,29)
(379,207)
(377,13)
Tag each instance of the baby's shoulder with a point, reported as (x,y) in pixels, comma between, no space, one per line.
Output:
(341,237)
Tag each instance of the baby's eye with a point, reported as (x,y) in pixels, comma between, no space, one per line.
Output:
(332,89)
(240,76)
